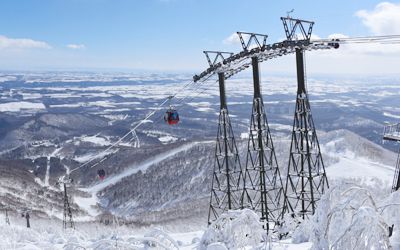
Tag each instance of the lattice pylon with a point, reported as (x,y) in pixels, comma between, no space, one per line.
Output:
(227,173)
(263,188)
(7,218)
(306,177)
(396,179)
(67,218)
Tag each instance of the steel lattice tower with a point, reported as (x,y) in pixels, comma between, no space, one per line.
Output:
(263,188)
(306,178)
(225,193)
(7,218)
(396,179)
(392,133)
(67,219)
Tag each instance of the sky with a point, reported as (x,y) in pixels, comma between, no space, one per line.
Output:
(170,35)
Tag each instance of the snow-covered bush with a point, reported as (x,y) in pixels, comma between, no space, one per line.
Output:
(390,211)
(347,217)
(233,230)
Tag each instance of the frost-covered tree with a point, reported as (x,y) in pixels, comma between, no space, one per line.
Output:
(348,217)
(234,230)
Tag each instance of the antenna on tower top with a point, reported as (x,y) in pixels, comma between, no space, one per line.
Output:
(289,12)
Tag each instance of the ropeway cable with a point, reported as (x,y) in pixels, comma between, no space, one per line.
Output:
(387,39)
(141,122)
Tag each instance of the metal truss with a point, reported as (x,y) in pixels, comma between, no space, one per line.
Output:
(67,218)
(227,173)
(306,177)
(253,39)
(263,188)
(242,60)
(392,133)
(7,218)
(396,179)
(218,56)
(292,26)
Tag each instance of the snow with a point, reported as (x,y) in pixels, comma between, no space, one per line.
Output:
(96,140)
(90,156)
(28,96)
(349,216)
(89,203)
(356,212)
(19,106)
(359,168)
(62,95)
(279,126)
(5,78)
(66,105)
(391,115)
(167,139)
(244,135)
(233,230)
(136,168)
(205,110)
(49,235)
(47,176)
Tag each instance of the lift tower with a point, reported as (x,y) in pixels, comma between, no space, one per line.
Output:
(263,189)
(306,179)
(67,218)
(392,133)
(7,218)
(227,174)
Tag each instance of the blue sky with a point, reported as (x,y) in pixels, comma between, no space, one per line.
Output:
(158,34)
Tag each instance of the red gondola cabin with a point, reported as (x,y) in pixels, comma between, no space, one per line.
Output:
(171,117)
(101,173)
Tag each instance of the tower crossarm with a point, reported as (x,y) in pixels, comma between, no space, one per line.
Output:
(251,40)
(231,63)
(297,29)
(215,58)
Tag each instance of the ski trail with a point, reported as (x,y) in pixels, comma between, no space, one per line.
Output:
(360,168)
(136,168)
(47,177)
(89,204)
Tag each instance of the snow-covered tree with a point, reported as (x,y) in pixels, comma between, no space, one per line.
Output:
(347,217)
(234,229)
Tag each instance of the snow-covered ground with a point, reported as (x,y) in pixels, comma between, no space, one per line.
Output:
(18,106)
(48,234)
(89,204)
(348,166)
(362,187)
(136,168)
(346,214)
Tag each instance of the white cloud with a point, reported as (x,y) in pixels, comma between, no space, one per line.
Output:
(22,43)
(384,19)
(337,36)
(76,46)
(233,39)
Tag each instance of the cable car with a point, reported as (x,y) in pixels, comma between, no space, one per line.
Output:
(171,117)
(101,173)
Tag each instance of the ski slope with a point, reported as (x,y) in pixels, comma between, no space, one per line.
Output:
(89,204)
(140,167)
(360,168)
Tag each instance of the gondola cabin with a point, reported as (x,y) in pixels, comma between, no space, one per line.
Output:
(171,117)
(101,173)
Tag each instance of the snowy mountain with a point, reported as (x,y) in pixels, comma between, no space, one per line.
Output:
(52,124)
